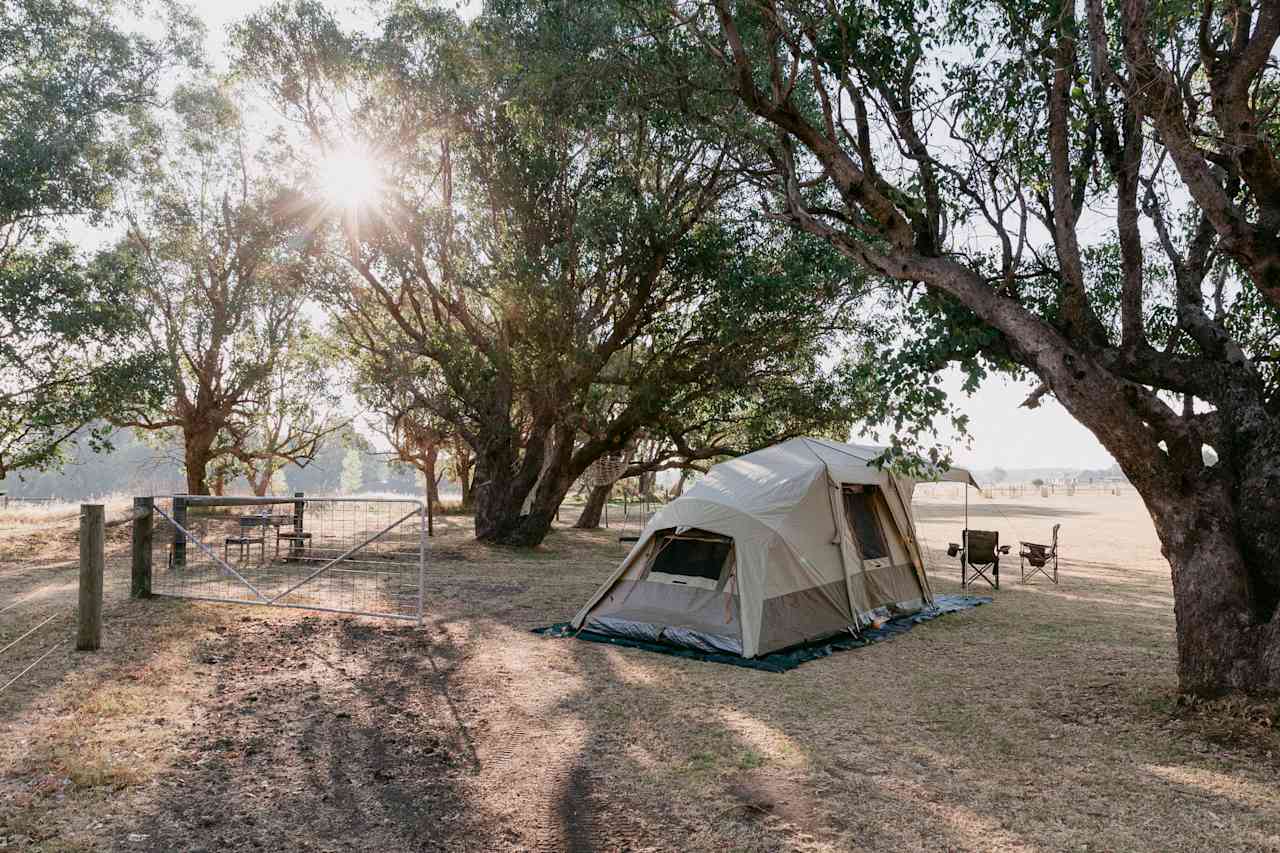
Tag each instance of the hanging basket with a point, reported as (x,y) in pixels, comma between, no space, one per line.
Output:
(607,470)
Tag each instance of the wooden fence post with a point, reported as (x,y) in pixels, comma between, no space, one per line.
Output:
(143,517)
(297,547)
(89,616)
(179,538)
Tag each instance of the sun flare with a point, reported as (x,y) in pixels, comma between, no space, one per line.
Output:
(348,177)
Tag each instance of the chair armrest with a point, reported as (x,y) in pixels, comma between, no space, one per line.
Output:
(1004,549)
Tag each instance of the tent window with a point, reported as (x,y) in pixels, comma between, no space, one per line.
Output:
(695,558)
(860,512)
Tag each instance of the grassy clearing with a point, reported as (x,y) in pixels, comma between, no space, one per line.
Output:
(1047,721)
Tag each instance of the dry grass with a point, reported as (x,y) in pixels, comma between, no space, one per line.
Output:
(22,517)
(1048,721)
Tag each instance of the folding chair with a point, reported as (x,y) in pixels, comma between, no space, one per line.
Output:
(1039,557)
(980,557)
(299,544)
(246,540)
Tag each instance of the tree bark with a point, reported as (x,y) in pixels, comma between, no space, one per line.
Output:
(546,468)
(464,462)
(590,517)
(679,487)
(647,481)
(429,473)
(197,454)
(1226,638)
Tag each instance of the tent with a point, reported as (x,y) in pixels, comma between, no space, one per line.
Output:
(789,544)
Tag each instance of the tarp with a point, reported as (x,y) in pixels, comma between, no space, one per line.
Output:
(790,658)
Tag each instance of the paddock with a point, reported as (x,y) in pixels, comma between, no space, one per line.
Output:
(1045,721)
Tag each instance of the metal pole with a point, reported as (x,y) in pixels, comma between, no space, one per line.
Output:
(422,564)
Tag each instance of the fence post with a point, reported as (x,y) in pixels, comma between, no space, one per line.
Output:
(89,616)
(296,549)
(143,517)
(179,538)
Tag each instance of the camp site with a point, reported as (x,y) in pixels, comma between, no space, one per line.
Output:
(639,425)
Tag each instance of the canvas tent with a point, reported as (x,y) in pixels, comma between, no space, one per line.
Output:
(793,543)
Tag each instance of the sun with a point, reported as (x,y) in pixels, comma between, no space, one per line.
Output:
(349,178)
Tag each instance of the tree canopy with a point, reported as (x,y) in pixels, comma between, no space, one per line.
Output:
(1083,193)
(557,257)
(75,90)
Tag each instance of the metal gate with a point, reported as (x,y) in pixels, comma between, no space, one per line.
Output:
(364,556)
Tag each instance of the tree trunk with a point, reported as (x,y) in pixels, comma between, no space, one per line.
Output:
(678,490)
(464,462)
(468,497)
(261,481)
(590,517)
(647,481)
(1220,537)
(429,474)
(499,503)
(197,447)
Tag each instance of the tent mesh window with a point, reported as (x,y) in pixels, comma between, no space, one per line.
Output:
(694,555)
(860,512)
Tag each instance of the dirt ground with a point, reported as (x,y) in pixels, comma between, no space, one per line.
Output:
(1046,721)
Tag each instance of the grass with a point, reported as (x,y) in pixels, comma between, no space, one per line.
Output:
(1047,721)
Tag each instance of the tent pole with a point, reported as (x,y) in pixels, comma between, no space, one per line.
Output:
(966,506)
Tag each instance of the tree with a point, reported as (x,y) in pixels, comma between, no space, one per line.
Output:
(219,280)
(74,92)
(290,416)
(352,471)
(391,385)
(971,149)
(462,461)
(549,241)
(67,354)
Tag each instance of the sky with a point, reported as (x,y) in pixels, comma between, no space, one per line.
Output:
(1002,433)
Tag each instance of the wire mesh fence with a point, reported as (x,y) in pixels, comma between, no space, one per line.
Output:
(350,555)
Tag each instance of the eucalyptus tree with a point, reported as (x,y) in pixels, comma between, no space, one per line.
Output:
(291,415)
(400,391)
(75,91)
(1087,193)
(219,279)
(549,236)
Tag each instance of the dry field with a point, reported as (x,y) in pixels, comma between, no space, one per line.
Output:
(1046,721)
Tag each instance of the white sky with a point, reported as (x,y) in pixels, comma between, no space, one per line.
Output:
(1002,433)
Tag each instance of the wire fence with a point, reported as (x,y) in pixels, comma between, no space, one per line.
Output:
(1024,490)
(349,555)
(38,607)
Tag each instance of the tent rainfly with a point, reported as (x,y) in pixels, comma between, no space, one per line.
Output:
(786,545)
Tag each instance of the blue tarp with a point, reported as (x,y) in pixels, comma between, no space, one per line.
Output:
(794,656)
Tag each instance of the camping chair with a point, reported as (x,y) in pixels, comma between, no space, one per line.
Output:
(246,538)
(979,556)
(1039,557)
(299,543)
